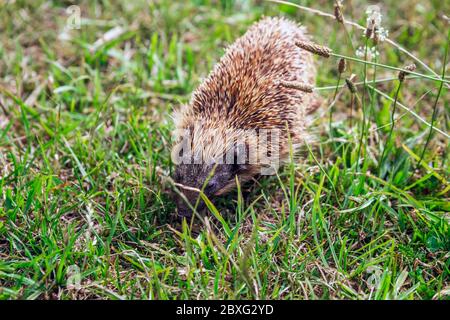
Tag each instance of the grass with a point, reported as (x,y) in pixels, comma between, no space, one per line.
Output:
(85,136)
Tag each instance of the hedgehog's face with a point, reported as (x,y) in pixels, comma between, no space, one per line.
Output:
(194,176)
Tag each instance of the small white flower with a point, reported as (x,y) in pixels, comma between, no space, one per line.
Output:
(372,53)
(373,16)
(382,33)
(360,52)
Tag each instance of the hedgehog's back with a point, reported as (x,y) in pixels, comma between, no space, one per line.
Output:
(243,88)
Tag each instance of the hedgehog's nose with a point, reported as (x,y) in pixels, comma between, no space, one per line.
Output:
(184,212)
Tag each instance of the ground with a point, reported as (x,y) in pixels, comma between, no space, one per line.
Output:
(85,134)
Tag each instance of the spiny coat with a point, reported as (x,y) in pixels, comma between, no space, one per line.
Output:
(244,92)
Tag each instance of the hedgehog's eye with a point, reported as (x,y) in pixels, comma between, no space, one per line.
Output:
(211,186)
(176,176)
(239,168)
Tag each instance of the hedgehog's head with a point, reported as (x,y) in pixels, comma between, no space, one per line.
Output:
(214,179)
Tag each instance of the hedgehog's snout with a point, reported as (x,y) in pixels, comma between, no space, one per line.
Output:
(194,177)
(184,211)
(190,179)
(186,202)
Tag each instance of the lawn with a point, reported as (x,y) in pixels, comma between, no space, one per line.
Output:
(86,212)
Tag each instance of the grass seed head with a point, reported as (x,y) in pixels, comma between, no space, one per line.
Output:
(369,31)
(342,65)
(351,86)
(402,74)
(314,48)
(376,35)
(297,85)
(338,12)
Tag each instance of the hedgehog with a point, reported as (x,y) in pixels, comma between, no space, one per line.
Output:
(247,116)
